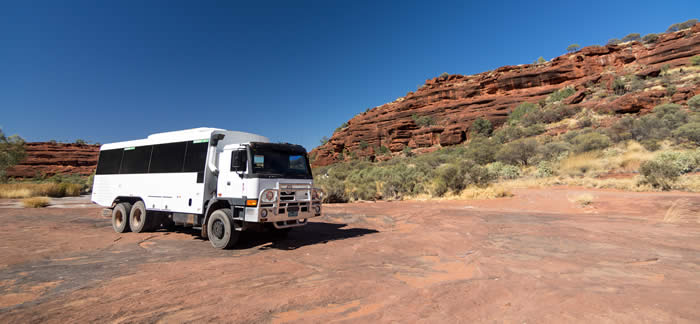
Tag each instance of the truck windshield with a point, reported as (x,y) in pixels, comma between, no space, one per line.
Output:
(272,163)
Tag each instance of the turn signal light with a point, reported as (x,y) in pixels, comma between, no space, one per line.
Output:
(251,202)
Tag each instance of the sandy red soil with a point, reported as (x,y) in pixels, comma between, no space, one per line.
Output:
(539,256)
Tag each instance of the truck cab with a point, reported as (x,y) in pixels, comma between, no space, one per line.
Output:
(272,180)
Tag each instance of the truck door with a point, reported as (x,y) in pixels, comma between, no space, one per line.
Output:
(232,166)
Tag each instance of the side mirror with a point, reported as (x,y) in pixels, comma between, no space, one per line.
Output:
(239,161)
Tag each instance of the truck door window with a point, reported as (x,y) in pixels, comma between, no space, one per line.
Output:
(259,161)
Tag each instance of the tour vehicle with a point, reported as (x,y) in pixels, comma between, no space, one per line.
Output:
(218,181)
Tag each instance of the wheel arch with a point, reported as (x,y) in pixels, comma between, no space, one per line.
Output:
(213,205)
(131,200)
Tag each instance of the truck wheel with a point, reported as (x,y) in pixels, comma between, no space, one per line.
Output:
(120,217)
(220,230)
(139,219)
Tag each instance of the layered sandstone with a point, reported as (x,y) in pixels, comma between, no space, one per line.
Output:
(47,159)
(455,101)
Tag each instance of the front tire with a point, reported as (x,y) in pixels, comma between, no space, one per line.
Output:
(120,217)
(221,231)
(140,220)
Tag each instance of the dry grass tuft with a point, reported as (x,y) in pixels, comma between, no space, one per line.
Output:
(584,199)
(588,163)
(490,192)
(26,190)
(35,202)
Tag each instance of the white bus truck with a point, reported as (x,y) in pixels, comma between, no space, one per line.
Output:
(220,182)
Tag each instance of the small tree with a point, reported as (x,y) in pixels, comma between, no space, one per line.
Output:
(573,48)
(614,41)
(650,38)
(80,142)
(632,37)
(324,140)
(481,126)
(444,75)
(11,151)
(541,60)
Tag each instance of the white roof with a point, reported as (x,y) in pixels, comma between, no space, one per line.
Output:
(201,133)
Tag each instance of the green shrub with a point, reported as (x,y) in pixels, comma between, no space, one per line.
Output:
(422,121)
(449,178)
(482,127)
(614,41)
(619,86)
(324,140)
(621,130)
(363,144)
(549,114)
(540,60)
(590,142)
(690,132)
(650,38)
(650,145)
(695,60)
(671,115)
(694,102)
(684,161)
(503,171)
(545,169)
(561,94)
(518,152)
(382,150)
(482,150)
(11,151)
(680,26)
(80,142)
(475,174)
(444,75)
(520,111)
(511,133)
(407,151)
(659,175)
(555,150)
(573,48)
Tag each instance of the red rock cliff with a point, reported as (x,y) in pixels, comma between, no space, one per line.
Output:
(45,158)
(455,101)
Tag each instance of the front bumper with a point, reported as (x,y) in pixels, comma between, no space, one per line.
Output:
(292,205)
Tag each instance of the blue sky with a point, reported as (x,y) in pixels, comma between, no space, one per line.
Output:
(107,71)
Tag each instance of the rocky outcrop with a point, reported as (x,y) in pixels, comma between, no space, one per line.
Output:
(453,102)
(47,159)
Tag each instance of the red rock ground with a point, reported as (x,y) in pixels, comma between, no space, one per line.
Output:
(536,257)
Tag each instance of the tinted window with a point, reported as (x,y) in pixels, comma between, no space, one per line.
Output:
(168,157)
(109,161)
(280,164)
(196,157)
(135,159)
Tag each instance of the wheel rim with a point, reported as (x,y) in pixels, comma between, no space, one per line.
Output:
(118,218)
(137,218)
(218,229)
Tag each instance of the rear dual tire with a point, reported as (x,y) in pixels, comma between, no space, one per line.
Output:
(120,217)
(139,219)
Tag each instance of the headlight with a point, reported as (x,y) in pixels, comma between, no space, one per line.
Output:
(268,196)
(263,213)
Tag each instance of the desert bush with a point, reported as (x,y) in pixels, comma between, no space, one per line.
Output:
(619,86)
(35,202)
(382,150)
(683,161)
(659,175)
(590,142)
(444,75)
(690,132)
(482,127)
(518,152)
(680,26)
(511,133)
(573,48)
(324,140)
(671,115)
(407,151)
(560,94)
(549,114)
(636,83)
(694,102)
(614,41)
(422,121)
(554,150)
(363,144)
(650,145)
(621,130)
(545,169)
(695,60)
(650,38)
(449,178)
(482,150)
(503,171)
(519,111)
(632,37)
